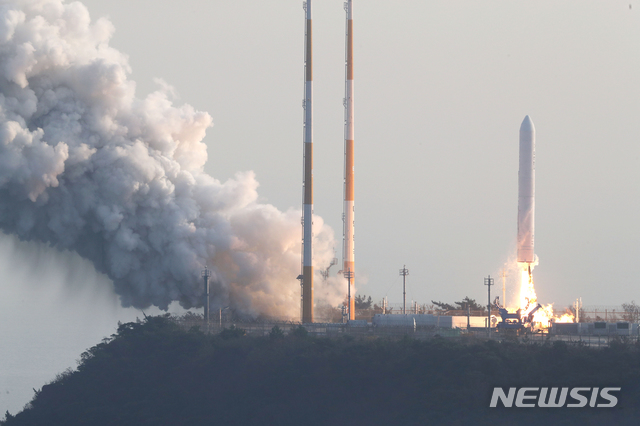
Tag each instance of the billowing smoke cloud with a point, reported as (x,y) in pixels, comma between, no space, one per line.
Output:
(88,167)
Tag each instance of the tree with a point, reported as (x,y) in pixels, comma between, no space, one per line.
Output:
(232,332)
(362,302)
(299,332)
(327,313)
(444,306)
(276,333)
(469,303)
(460,306)
(631,312)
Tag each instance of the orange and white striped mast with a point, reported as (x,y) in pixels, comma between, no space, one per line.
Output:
(348,216)
(307,211)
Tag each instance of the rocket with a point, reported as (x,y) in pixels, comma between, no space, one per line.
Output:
(348,251)
(307,208)
(526,192)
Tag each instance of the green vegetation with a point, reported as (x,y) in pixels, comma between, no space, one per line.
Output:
(631,312)
(153,372)
(461,306)
(362,302)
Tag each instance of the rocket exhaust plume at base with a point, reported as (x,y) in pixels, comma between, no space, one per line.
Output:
(86,166)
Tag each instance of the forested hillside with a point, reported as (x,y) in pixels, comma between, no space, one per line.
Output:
(155,373)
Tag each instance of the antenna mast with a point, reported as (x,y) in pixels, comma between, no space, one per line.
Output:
(404,272)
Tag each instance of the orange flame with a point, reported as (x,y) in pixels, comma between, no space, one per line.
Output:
(543,317)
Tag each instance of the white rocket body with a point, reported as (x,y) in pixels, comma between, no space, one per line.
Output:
(526,191)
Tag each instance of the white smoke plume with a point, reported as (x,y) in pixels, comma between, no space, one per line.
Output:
(87,166)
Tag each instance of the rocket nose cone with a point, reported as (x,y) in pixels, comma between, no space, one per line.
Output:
(527,125)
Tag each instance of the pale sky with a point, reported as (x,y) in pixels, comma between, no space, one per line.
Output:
(441,89)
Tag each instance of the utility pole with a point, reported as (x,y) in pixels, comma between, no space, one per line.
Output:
(504,287)
(488,282)
(404,272)
(301,279)
(349,275)
(206,273)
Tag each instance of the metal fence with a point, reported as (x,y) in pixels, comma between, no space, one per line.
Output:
(333,315)
(605,313)
(369,331)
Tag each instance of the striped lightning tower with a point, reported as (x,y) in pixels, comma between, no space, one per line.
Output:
(348,216)
(307,213)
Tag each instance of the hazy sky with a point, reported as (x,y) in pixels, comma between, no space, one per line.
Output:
(441,90)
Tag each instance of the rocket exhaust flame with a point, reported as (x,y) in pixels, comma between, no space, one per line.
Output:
(544,316)
(86,166)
